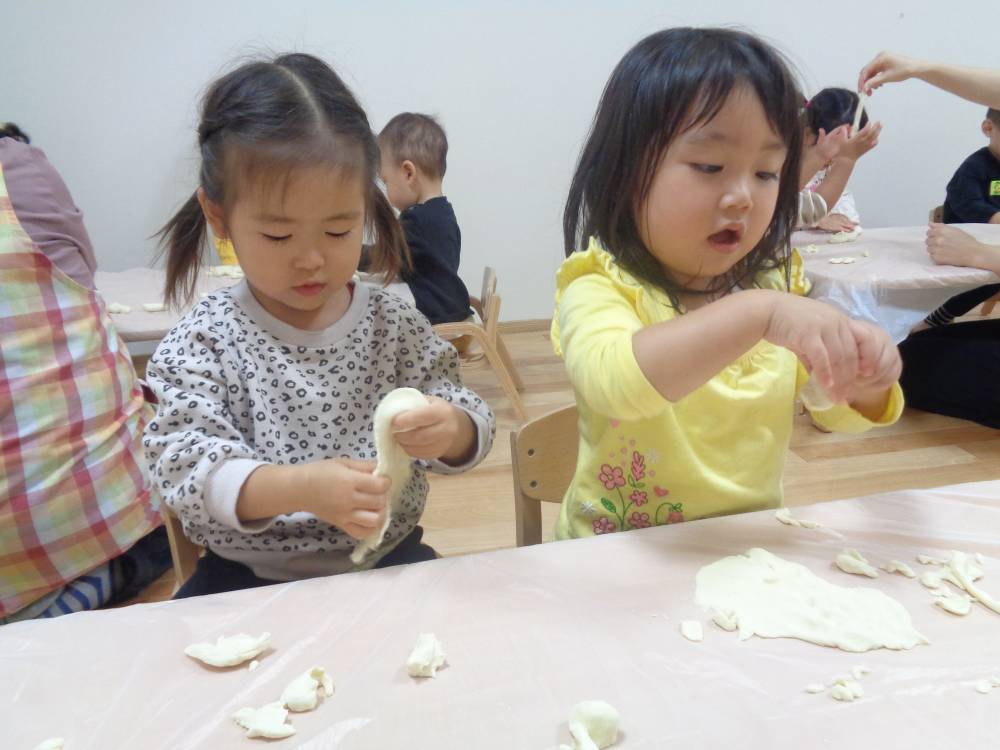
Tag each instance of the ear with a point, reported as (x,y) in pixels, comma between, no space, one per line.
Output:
(409,170)
(988,128)
(213,215)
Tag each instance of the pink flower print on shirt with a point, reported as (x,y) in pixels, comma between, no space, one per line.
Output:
(639,520)
(604,525)
(638,466)
(611,476)
(638,497)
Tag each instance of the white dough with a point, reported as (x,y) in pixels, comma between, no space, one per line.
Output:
(984,686)
(229,651)
(865,254)
(393,461)
(253,665)
(896,566)
(810,249)
(928,560)
(725,619)
(847,690)
(785,516)
(117,308)
(851,561)
(154,307)
(957,604)
(302,693)
(773,598)
(815,398)
(966,572)
(426,658)
(692,630)
(842,237)
(54,743)
(268,721)
(815,688)
(862,98)
(593,725)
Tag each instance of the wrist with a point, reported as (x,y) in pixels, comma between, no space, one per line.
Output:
(463,443)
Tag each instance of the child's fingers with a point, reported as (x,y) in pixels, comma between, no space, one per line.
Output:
(869,348)
(843,356)
(817,361)
(369,484)
(414,419)
(366,467)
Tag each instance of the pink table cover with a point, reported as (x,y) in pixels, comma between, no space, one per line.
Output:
(138,286)
(528,633)
(898,284)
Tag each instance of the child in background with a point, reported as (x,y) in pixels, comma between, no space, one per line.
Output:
(684,349)
(414,159)
(829,157)
(263,442)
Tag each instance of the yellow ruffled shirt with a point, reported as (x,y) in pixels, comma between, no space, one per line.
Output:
(644,460)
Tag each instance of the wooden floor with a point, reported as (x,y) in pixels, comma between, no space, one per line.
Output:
(474,512)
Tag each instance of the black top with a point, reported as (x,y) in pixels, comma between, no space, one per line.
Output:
(435,245)
(974,191)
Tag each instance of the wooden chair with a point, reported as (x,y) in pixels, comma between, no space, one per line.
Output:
(183,551)
(543,457)
(936,214)
(485,334)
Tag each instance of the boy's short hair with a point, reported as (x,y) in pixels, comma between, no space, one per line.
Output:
(417,138)
(993,115)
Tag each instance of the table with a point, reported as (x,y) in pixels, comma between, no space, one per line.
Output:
(898,284)
(528,633)
(142,331)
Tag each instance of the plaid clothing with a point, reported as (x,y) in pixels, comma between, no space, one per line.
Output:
(73,494)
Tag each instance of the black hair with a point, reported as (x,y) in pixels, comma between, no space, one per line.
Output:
(833,107)
(418,138)
(264,119)
(993,116)
(668,83)
(10,130)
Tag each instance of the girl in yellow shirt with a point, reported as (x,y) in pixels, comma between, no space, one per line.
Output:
(684,344)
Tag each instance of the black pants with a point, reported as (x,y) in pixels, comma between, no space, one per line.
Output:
(955,370)
(961,304)
(215,574)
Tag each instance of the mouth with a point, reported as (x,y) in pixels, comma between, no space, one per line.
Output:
(309,290)
(727,240)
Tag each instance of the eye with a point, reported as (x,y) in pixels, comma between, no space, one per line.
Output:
(707,168)
(339,235)
(275,238)
(768,176)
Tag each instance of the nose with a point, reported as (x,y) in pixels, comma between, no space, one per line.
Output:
(309,259)
(738,196)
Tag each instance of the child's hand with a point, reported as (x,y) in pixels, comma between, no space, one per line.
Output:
(835,223)
(950,246)
(345,493)
(879,363)
(828,145)
(438,430)
(863,141)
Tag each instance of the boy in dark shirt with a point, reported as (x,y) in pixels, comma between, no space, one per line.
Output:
(414,158)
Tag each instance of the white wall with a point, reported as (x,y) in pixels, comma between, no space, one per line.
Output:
(109,90)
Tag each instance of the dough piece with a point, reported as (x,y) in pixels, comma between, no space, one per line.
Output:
(229,651)
(851,561)
(785,516)
(253,665)
(692,630)
(957,604)
(984,686)
(815,688)
(154,307)
(815,397)
(725,619)
(773,598)
(302,693)
(426,658)
(928,560)
(847,690)
(268,721)
(117,308)
(593,725)
(810,249)
(842,237)
(979,558)
(393,461)
(965,571)
(55,743)
(862,98)
(896,566)
(865,254)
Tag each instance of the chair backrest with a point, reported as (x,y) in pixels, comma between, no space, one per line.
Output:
(936,214)
(489,302)
(543,454)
